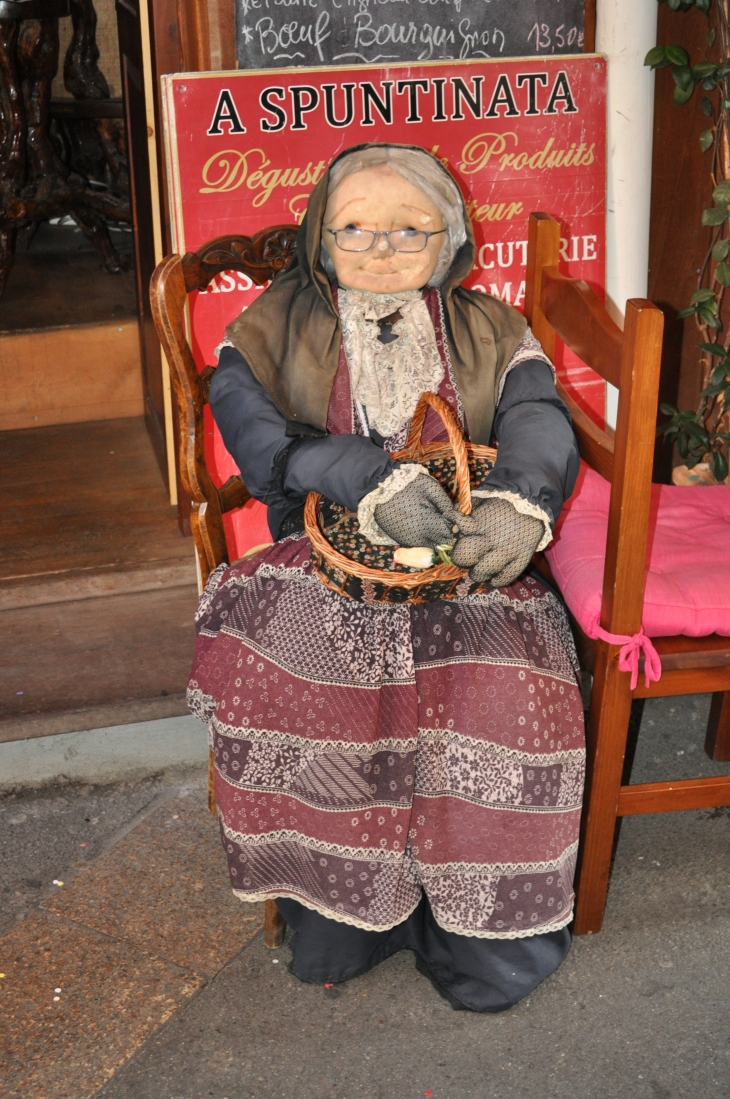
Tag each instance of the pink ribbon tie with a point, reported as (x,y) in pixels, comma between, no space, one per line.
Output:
(628,658)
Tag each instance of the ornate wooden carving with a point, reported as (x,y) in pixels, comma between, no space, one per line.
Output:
(81,73)
(36,181)
(37,62)
(12,126)
(261,257)
(17,10)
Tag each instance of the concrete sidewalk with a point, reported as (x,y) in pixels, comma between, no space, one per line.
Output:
(169,993)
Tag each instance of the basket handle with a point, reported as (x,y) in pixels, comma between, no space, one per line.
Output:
(456,439)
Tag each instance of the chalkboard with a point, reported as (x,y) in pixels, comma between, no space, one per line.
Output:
(283,33)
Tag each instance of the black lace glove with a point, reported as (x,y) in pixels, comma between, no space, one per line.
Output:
(421,514)
(496,542)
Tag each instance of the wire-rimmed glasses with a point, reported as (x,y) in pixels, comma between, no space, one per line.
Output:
(352,239)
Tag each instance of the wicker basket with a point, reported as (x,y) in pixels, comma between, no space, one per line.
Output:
(456,465)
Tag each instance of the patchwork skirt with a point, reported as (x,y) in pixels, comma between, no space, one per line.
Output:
(366,754)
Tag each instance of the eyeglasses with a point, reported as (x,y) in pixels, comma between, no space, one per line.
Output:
(351,239)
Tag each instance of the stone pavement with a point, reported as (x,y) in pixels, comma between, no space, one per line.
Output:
(167,991)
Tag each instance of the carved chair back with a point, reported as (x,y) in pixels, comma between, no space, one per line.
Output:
(630,361)
(262,257)
(557,306)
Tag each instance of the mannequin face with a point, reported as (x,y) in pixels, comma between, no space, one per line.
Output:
(380,199)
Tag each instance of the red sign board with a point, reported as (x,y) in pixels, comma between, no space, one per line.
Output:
(246,148)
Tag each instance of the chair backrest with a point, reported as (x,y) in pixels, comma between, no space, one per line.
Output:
(262,257)
(556,306)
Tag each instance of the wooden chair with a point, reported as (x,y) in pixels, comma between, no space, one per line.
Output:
(261,257)
(629,360)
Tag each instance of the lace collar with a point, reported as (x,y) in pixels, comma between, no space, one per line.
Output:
(387,379)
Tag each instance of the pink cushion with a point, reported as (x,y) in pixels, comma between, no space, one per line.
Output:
(688,583)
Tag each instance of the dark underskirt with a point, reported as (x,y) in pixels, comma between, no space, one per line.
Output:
(473,974)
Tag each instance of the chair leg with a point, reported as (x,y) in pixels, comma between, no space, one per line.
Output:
(717,741)
(211,783)
(607,731)
(274,925)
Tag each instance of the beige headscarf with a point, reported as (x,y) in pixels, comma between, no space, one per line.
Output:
(291,335)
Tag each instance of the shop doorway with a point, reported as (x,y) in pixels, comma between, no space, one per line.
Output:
(97,583)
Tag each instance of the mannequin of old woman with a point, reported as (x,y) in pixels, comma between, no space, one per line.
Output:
(374,763)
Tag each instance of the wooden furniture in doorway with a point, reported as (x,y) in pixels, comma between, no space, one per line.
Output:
(41,178)
(261,257)
(629,360)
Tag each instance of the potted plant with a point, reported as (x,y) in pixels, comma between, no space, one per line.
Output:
(702,436)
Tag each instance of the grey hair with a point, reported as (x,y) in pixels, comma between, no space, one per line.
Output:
(420,169)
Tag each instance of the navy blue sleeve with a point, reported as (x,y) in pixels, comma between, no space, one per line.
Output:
(537,455)
(277,469)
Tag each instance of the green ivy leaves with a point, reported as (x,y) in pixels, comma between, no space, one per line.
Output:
(694,441)
(719,461)
(703,305)
(657,57)
(719,213)
(685,5)
(686,77)
(688,430)
(719,382)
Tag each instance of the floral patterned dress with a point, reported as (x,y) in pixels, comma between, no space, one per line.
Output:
(366,753)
